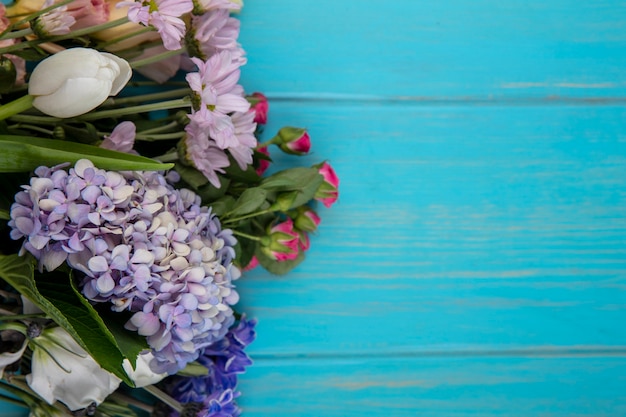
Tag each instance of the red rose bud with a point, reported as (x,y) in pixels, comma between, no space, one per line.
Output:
(307,220)
(283,245)
(260,106)
(294,140)
(254,262)
(263,163)
(328,191)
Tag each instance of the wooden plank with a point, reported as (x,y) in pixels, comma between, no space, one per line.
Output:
(457,228)
(448,50)
(511,386)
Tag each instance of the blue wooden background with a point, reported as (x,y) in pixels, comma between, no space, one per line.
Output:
(475,262)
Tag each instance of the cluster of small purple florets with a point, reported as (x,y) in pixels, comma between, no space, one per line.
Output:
(215,393)
(142,246)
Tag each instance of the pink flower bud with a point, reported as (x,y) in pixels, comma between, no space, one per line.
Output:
(254,262)
(307,220)
(294,140)
(328,192)
(284,240)
(263,164)
(260,107)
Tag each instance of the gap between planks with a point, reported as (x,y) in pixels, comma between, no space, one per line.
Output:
(333,98)
(522,352)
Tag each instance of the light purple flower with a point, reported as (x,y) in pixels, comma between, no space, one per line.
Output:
(122,138)
(164,16)
(142,246)
(203,153)
(213,32)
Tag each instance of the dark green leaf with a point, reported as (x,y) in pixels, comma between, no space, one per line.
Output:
(250,200)
(275,267)
(209,193)
(191,176)
(4,214)
(60,302)
(248,175)
(290,179)
(306,194)
(25,153)
(223,205)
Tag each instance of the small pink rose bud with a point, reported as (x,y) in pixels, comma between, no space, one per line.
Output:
(307,220)
(283,245)
(254,262)
(263,163)
(294,140)
(328,192)
(260,106)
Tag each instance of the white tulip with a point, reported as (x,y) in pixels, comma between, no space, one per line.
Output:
(77,80)
(72,377)
(142,375)
(8,358)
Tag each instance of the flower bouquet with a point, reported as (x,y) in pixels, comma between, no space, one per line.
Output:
(135,190)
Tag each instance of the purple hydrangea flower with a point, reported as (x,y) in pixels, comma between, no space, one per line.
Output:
(142,246)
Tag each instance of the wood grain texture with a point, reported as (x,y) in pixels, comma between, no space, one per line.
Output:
(402,387)
(474,264)
(452,49)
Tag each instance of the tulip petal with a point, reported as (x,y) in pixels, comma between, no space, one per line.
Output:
(50,74)
(75,97)
(125,72)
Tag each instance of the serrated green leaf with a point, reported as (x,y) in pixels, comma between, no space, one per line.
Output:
(25,153)
(275,267)
(61,303)
(250,200)
(290,179)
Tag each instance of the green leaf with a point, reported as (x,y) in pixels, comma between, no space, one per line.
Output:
(275,267)
(25,153)
(60,302)
(250,200)
(4,214)
(291,179)
(223,205)
(191,176)
(249,175)
(307,193)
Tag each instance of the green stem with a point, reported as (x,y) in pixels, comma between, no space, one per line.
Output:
(88,30)
(268,143)
(34,15)
(156,58)
(247,236)
(71,35)
(158,129)
(247,216)
(165,136)
(23,317)
(48,120)
(112,101)
(18,34)
(16,106)
(125,37)
(144,108)
(164,397)
(168,157)
(14,401)
(125,399)
(31,127)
